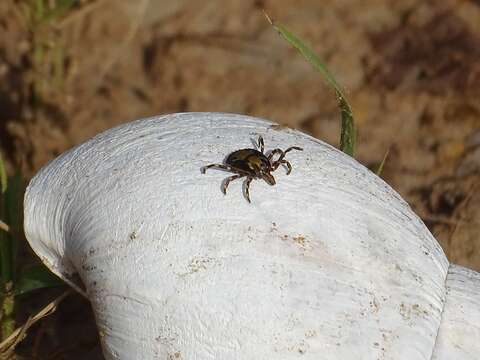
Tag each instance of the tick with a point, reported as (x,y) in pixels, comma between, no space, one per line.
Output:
(253,164)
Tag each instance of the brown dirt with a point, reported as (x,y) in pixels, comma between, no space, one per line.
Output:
(411,70)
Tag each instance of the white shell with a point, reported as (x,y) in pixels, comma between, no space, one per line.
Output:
(330,263)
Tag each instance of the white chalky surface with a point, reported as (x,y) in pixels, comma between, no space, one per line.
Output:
(459,335)
(330,263)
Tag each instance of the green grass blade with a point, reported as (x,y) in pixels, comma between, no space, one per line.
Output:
(6,263)
(8,313)
(6,271)
(7,259)
(347,133)
(380,167)
(3,176)
(36,277)
(4,245)
(14,216)
(309,55)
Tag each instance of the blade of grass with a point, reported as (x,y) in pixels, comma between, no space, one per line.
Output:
(380,167)
(347,132)
(5,239)
(36,277)
(8,309)
(14,212)
(8,345)
(4,248)
(10,211)
(7,321)
(3,176)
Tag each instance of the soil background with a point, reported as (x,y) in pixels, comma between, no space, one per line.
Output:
(411,70)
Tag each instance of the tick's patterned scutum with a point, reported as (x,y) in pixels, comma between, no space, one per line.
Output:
(248,160)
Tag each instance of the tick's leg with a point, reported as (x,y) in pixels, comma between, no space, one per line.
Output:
(227,181)
(261,144)
(275,151)
(283,153)
(287,164)
(247,188)
(293,148)
(218,166)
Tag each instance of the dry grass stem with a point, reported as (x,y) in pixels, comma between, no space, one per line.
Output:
(8,345)
(4,226)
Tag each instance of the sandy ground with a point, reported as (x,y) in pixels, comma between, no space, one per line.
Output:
(410,68)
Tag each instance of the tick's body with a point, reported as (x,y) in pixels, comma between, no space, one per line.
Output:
(253,164)
(248,160)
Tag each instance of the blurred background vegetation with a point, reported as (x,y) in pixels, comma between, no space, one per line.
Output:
(72,68)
